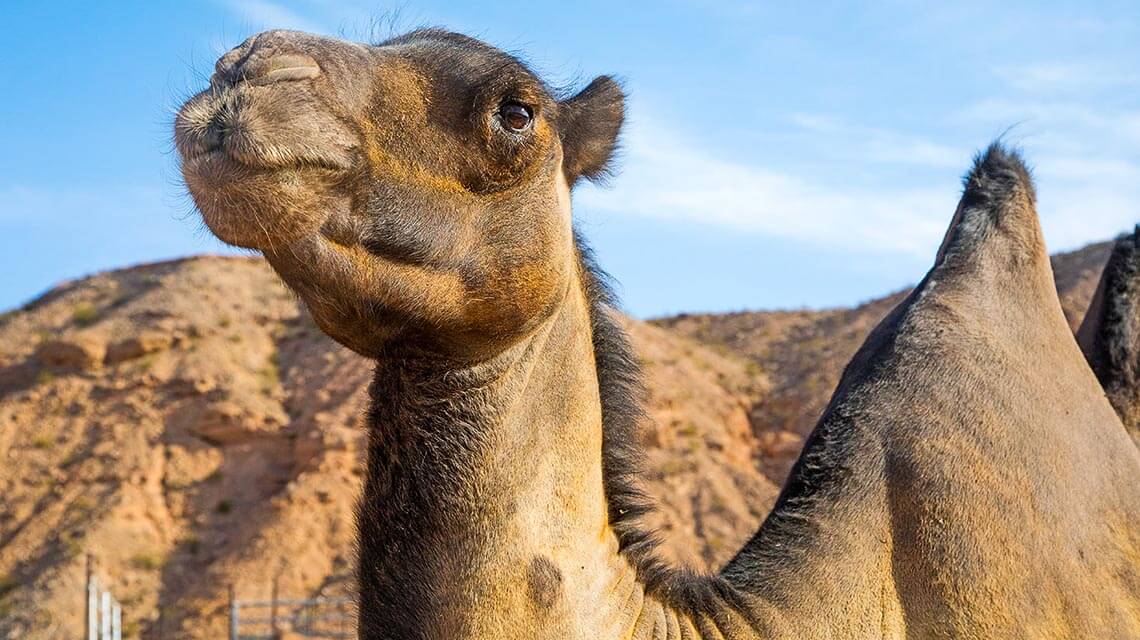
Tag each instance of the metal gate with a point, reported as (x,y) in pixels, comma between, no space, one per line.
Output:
(104,614)
(309,618)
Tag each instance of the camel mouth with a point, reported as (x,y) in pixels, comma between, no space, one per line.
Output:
(266,164)
(266,127)
(217,160)
(263,199)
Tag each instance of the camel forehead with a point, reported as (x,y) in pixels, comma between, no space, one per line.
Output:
(430,92)
(452,56)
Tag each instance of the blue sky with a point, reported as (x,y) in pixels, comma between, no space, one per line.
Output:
(775,156)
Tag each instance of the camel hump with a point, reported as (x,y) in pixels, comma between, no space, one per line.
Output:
(1110,332)
(998,205)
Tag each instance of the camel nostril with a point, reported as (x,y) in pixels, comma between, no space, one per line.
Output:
(262,70)
(212,137)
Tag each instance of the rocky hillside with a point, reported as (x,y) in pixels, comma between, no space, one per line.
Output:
(187,425)
(803,352)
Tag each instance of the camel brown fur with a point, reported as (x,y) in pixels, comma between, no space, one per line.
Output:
(1110,332)
(969,478)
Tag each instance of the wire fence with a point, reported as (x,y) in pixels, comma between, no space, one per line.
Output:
(326,618)
(104,613)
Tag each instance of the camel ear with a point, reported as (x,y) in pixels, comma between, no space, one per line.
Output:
(589,124)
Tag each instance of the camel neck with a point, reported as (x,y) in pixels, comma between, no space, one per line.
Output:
(484,499)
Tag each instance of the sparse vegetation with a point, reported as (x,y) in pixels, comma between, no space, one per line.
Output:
(223,507)
(146,363)
(146,561)
(84,314)
(269,377)
(81,509)
(42,619)
(8,583)
(192,544)
(69,544)
(72,459)
(42,441)
(717,503)
(45,377)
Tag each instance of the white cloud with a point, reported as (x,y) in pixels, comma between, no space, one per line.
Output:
(879,145)
(665,175)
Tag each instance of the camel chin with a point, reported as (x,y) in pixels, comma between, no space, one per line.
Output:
(257,208)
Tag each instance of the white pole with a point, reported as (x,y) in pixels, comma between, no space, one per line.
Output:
(234,613)
(105,617)
(116,622)
(92,608)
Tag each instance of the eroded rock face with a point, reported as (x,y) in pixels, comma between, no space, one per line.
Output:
(138,346)
(226,422)
(77,351)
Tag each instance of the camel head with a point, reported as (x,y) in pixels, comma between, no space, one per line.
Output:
(413,192)
(1110,333)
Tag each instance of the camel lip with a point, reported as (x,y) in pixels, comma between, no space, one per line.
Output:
(209,129)
(221,157)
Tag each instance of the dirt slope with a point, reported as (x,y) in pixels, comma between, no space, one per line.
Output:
(187,424)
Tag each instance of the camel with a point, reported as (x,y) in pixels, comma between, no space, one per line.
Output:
(1110,332)
(969,479)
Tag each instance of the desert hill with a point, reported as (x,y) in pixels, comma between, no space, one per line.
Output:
(803,353)
(187,425)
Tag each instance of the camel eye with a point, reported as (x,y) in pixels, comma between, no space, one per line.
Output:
(515,117)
